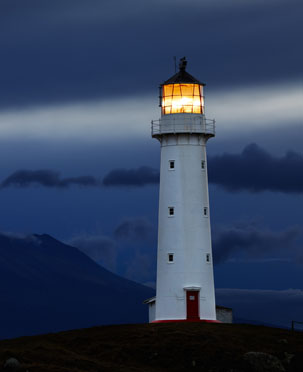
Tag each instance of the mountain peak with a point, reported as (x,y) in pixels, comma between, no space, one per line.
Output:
(52,286)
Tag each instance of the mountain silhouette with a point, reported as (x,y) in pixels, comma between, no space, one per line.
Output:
(48,286)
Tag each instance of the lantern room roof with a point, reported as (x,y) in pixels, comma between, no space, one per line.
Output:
(182,76)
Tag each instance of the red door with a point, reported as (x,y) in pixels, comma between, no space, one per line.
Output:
(192,304)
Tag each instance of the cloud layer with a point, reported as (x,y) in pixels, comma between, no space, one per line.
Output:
(134,229)
(255,170)
(100,248)
(132,177)
(130,251)
(252,242)
(62,45)
(46,178)
(238,110)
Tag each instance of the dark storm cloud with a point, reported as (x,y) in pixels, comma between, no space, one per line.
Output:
(134,229)
(138,237)
(101,249)
(47,178)
(255,170)
(65,50)
(129,251)
(20,236)
(250,241)
(132,177)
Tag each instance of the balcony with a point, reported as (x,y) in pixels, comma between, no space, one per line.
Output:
(189,125)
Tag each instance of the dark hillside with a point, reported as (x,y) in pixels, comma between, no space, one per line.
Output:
(48,286)
(160,347)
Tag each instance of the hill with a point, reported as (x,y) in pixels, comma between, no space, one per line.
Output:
(48,286)
(160,347)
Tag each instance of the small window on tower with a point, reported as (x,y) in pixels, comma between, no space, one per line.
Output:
(171,164)
(171,211)
(203,164)
(170,257)
(205,211)
(207,257)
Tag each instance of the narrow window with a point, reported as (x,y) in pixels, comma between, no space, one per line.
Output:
(171,164)
(171,211)
(170,257)
(205,211)
(203,164)
(207,257)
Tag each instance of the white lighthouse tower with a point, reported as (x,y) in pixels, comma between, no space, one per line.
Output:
(185,284)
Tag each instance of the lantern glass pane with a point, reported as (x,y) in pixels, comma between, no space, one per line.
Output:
(196,110)
(188,109)
(168,90)
(168,101)
(182,98)
(196,101)
(177,90)
(197,90)
(187,89)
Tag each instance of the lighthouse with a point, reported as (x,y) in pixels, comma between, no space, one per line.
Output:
(185,283)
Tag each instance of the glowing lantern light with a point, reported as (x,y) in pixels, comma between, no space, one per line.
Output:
(182,93)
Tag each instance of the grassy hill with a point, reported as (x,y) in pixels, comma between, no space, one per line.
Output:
(160,347)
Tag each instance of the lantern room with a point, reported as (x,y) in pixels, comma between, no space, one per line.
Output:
(182,93)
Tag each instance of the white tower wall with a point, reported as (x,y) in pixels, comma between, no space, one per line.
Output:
(186,234)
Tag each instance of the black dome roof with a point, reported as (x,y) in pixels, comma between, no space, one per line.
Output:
(182,76)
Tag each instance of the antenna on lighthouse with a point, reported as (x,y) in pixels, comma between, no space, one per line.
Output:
(175,62)
(182,64)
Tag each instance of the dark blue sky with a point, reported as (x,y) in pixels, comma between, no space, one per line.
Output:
(78,89)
